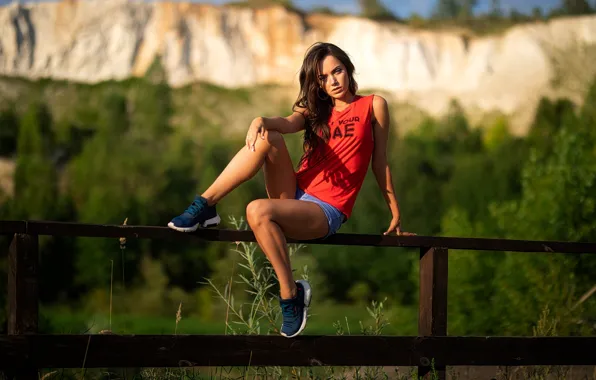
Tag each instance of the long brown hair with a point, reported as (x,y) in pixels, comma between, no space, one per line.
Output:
(314,99)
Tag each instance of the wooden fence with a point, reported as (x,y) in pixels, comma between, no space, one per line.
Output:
(23,351)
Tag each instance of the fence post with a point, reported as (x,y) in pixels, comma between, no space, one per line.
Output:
(432,313)
(23,301)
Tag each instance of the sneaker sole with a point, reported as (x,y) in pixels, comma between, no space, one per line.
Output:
(307,298)
(213,222)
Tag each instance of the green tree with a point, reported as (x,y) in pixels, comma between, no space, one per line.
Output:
(471,290)
(496,12)
(135,167)
(102,178)
(550,117)
(375,9)
(261,3)
(35,178)
(445,9)
(575,7)
(558,202)
(517,16)
(466,11)
(150,105)
(480,179)
(8,132)
(537,13)
(452,9)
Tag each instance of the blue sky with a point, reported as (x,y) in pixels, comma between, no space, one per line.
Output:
(402,8)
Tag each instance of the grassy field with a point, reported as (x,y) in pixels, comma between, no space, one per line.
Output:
(322,321)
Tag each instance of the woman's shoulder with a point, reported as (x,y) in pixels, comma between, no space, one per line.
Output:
(377,105)
(301,109)
(373,97)
(375,102)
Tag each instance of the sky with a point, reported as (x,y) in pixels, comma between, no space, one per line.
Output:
(402,8)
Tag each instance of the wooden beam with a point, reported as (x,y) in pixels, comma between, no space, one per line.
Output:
(11,227)
(158,232)
(23,293)
(432,313)
(23,285)
(102,351)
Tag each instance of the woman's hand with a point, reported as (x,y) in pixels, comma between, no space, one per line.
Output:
(395,226)
(256,129)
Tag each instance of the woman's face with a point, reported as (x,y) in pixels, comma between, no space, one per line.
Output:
(333,77)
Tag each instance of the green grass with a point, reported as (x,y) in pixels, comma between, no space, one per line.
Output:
(258,312)
(72,322)
(58,320)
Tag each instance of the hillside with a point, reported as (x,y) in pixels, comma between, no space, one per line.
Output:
(230,46)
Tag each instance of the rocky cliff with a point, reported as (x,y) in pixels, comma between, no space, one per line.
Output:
(96,40)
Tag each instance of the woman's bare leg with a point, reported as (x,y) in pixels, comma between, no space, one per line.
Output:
(302,220)
(272,220)
(280,179)
(279,172)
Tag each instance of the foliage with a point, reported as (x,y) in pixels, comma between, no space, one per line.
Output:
(466,14)
(140,150)
(575,7)
(35,179)
(462,9)
(556,202)
(8,131)
(259,313)
(375,9)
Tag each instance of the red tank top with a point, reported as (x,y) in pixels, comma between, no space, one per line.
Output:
(334,173)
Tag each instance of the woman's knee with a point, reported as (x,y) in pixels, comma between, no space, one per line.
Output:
(258,211)
(274,139)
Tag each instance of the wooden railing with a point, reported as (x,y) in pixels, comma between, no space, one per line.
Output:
(23,351)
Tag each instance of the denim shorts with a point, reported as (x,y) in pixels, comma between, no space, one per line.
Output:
(335,218)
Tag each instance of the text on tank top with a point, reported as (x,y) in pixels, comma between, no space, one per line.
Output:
(336,170)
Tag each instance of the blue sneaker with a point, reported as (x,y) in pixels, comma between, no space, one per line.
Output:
(198,214)
(294,311)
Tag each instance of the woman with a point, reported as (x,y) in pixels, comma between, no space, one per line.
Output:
(342,132)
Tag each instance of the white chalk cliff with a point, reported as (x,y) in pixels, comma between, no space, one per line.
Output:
(96,40)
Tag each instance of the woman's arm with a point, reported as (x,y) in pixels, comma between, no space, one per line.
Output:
(290,124)
(380,166)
